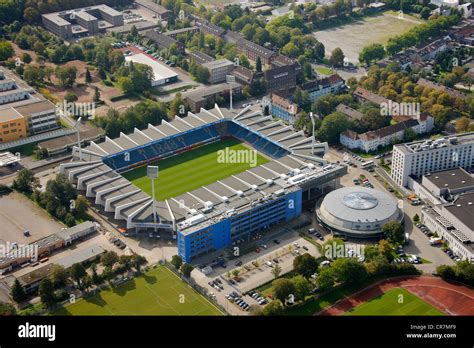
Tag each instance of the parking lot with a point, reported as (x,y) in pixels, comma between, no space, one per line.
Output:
(18,214)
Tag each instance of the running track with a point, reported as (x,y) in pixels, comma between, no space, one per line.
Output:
(451,298)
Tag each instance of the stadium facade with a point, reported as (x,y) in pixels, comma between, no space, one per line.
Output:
(220,214)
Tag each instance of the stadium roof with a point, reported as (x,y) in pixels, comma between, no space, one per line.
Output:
(215,201)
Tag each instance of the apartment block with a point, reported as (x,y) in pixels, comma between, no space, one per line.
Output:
(218,69)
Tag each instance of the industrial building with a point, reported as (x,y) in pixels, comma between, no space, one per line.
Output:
(214,216)
(358,212)
(161,74)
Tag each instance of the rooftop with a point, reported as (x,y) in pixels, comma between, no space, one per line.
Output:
(9,114)
(463,209)
(453,179)
(159,71)
(427,145)
(215,64)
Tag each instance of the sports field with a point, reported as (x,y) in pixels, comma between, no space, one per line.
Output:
(193,169)
(157,292)
(396,301)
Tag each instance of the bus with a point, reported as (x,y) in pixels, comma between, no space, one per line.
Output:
(367,165)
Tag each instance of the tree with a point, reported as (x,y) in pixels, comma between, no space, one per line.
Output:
(462,124)
(138,261)
(17,292)
(46,292)
(349,270)
(134,31)
(282,289)
(258,65)
(77,271)
(26,58)
(276,271)
(302,287)
(81,205)
(88,78)
(70,97)
(109,258)
(409,135)
(325,278)
(125,84)
(96,94)
(332,126)
(371,53)
(425,13)
(337,57)
(176,261)
(274,308)
(305,264)
(6,50)
(416,218)
(59,276)
(394,232)
(446,272)
(186,270)
(25,181)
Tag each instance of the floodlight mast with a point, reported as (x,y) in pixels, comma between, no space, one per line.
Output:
(152,173)
(230,79)
(76,127)
(311,116)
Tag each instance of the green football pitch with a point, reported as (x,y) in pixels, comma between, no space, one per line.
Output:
(192,169)
(396,301)
(157,292)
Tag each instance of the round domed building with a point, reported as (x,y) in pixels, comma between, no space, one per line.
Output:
(358,212)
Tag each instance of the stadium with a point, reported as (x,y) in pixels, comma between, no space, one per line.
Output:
(215,209)
(358,212)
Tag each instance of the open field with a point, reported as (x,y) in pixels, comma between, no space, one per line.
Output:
(388,304)
(192,169)
(157,292)
(352,37)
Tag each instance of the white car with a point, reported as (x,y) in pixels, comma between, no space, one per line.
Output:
(269,264)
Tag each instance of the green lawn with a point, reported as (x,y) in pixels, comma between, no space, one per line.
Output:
(157,292)
(389,304)
(191,170)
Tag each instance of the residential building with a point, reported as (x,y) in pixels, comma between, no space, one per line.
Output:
(349,112)
(283,108)
(252,51)
(321,87)
(157,10)
(82,21)
(189,30)
(364,95)
(427,156)
(163,41)
(433,85)
(219,69)
(209,29)
(425,52)
(371,141)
